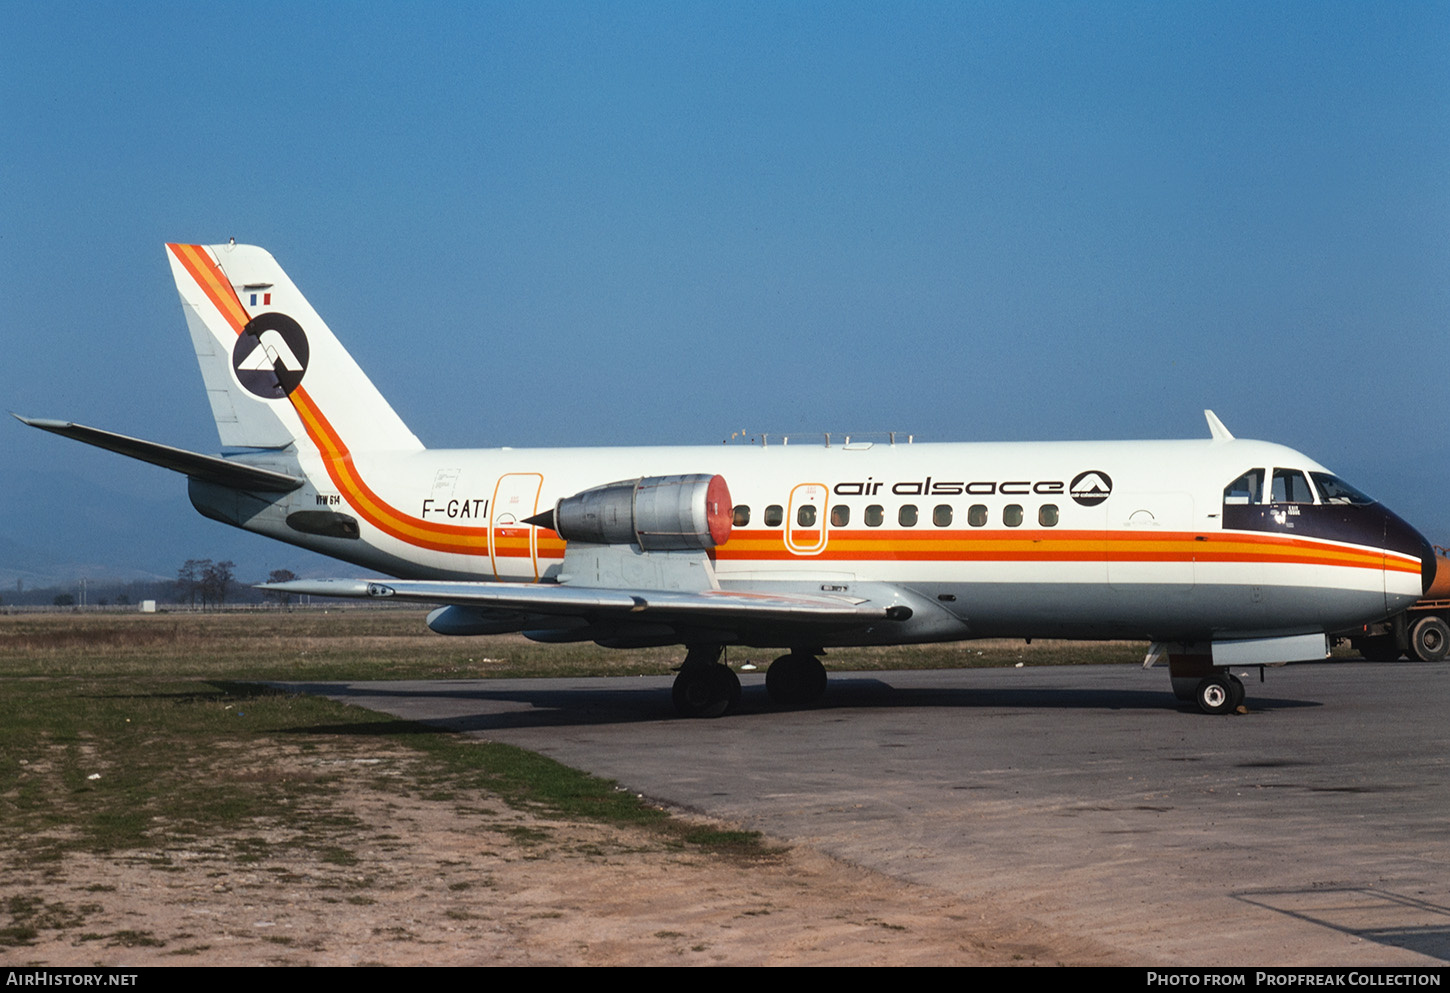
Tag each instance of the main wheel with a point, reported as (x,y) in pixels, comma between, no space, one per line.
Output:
(793,680)
(705,690)
(1430,639)
(1216,694)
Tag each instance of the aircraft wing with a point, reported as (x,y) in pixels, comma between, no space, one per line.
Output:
(708,606)
(208,468)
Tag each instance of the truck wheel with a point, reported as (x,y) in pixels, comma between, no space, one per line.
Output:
(1430,639)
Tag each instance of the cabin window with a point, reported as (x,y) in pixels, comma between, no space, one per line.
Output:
(741,517)
(840,515)
(977,515)
(806,516)
(1012,515)
(1291,486)
(941,515)
(774,516)
(1247,489)
(1332,489)
(875,516)
(1047,515)
(906,516)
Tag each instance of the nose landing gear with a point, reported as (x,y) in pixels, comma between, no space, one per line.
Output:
(1222,693)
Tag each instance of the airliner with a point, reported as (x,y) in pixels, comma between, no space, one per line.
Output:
(1219,552)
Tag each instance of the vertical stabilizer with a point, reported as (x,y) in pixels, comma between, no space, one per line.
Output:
(274,373)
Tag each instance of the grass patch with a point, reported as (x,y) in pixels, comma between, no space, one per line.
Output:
(134,939)
(30,914)
(151,735)
(393,643)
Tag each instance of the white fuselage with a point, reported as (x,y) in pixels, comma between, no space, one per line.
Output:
(994,535)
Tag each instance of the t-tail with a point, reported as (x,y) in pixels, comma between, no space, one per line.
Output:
(275,374)
(291,406)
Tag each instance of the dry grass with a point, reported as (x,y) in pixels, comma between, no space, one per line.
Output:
(357,644)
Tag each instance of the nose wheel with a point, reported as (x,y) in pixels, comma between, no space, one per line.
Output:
(1221,693)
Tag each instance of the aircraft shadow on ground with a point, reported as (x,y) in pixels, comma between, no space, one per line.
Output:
(570,705)
(1398,920)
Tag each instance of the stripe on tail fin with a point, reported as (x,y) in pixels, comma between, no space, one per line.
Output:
(275,374)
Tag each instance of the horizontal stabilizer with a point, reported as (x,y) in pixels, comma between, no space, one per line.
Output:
(719,606)
(208,468)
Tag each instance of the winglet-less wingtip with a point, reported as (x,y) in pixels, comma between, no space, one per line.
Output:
(207,468)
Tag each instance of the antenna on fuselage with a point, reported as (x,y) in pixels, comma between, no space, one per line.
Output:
(1216,428)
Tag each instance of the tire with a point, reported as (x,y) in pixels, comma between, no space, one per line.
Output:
(1430,639)
(794,680)
(705,690)
(732,689)
(1239,693)
(1216,695)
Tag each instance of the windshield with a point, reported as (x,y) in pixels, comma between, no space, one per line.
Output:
(1332,489)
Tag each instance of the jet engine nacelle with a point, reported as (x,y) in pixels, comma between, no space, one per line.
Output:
(658,513)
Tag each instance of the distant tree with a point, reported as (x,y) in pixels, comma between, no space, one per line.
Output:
(216,579)
(122,600)
(64,600)
(189,579)
(280,576)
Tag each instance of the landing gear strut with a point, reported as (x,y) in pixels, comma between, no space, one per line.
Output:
(704,687)
(795,679)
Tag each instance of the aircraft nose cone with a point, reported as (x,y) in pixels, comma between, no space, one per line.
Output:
(1399,536)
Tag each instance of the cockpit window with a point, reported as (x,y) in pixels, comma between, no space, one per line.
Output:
(1332,489)
(1248,488)
(1291,486)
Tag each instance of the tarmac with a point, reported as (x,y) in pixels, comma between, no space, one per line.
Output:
(1313,830)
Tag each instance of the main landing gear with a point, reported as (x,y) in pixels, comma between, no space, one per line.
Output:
(706,688)
(795,679)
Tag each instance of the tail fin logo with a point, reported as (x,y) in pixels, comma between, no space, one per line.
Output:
(270,356)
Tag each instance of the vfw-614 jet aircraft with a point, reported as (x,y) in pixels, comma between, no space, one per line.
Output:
(1221,552)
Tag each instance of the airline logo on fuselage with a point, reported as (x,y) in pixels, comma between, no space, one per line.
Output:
(1088,488)
(1091,488)
(270,356)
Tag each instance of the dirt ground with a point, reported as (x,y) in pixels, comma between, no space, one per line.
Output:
(469,881)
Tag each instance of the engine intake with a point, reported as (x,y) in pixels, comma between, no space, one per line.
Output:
(658,513)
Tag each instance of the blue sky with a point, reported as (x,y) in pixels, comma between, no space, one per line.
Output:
(546,224)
